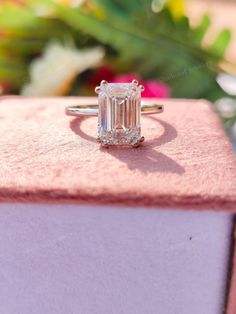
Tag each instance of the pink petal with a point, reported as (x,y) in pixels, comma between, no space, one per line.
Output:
(126,78)
(156,89)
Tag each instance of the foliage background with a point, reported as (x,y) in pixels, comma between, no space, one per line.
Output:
(151,38)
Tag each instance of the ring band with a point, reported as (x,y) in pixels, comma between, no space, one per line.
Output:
(92,109)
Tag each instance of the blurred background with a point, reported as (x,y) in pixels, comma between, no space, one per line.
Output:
(175,48)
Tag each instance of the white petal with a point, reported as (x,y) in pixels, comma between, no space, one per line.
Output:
(227,82)
(57,66)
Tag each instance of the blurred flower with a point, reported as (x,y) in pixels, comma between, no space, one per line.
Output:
(176,8)
(157,5)
(71,3)
(156,89)
(53,73)
(227,82)
(226,107)
(126,78)
(153,88)
(103,72)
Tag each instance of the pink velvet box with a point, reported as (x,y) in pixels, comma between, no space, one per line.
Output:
(185,163)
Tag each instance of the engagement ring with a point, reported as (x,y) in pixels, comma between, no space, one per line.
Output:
(118,110)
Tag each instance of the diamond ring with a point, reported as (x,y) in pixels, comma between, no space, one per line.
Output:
(118,110)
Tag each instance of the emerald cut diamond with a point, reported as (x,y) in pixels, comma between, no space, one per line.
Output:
(119,113)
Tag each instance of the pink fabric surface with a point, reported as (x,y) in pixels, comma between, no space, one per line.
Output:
(186,160)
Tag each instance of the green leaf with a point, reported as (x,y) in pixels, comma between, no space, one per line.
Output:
(20,46)
(221,42)
(200,31)
(12,71)
(159,45)
(22,16)
(137,39)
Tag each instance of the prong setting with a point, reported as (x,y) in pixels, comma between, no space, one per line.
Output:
(97,89)
(141,87)
(103,82)
(137,143)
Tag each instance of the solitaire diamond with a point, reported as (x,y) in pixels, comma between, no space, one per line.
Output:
(119,113)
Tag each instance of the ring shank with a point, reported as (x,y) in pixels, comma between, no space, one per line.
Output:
(82,110)
(92,109)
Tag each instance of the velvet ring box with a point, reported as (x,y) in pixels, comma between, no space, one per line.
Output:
(119,230)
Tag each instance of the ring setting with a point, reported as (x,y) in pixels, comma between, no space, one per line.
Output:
(119,109)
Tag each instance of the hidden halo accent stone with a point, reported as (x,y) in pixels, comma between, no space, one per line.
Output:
(119,113)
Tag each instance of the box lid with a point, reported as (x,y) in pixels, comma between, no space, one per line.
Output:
(186,160)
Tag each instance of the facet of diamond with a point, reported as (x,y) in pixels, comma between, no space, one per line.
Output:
(119,113)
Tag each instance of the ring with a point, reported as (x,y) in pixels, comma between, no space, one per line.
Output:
(118,110)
